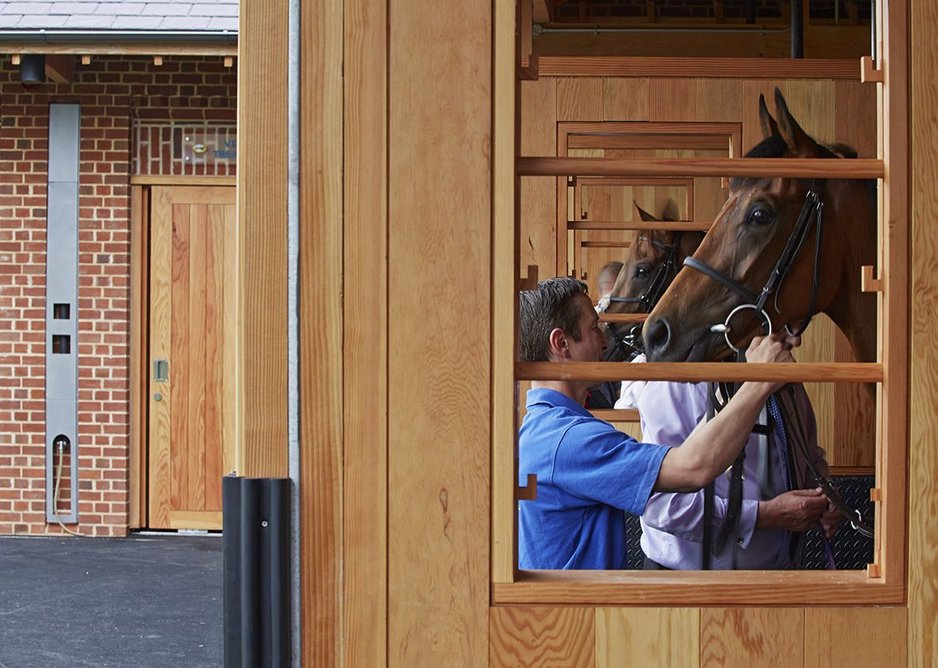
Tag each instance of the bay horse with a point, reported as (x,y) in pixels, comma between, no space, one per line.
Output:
(826,228)
(654,258)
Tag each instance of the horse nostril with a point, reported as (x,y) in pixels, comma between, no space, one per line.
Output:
(656,333)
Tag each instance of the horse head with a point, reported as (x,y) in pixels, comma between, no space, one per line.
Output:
(655,256)
(826,227)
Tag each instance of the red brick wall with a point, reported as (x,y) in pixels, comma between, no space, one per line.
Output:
(112,91)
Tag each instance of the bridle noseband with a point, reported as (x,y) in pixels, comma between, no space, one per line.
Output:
(811,215)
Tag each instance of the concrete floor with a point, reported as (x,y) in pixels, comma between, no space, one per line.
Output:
(139,601)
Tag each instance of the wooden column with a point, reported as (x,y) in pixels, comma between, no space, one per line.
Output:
(439,332)
(322,511)
(923,429)
(262,222)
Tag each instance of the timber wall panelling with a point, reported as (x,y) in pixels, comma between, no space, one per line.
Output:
(430,600)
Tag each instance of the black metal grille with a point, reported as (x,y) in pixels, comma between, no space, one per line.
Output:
(851,550)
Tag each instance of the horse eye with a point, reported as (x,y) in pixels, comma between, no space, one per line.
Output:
(641,270)
(760,215)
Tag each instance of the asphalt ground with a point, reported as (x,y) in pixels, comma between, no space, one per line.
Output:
(138,601)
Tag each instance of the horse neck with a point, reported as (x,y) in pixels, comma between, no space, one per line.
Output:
(853,310)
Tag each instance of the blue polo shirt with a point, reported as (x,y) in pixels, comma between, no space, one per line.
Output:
(588,476)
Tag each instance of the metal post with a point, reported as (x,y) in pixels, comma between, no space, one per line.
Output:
(256,546)
(797,29)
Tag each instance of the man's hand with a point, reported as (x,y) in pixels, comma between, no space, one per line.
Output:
(797,510)
(772,348)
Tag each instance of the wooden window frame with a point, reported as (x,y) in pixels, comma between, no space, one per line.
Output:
(884,580)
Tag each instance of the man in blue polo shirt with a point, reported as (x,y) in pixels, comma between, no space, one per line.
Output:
(588,473)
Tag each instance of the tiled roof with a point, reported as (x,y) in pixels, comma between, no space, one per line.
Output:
(117,15)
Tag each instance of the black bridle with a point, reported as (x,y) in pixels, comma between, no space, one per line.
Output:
(811,215)
(630,343)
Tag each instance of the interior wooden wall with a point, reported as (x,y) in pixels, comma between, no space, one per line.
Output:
(846,420)
(417,461)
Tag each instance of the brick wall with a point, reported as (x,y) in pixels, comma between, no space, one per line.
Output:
(112,91)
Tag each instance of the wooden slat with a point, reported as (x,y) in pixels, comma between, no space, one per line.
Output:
(231,378)
(861,168)
(439,464)
(679,226)
(532,636)
(209,520)
(745,637)
(647,637)
(262,229)
(180,358)
(657,141)
(617,414)
(696,68)
(321,364)
(855,637)
(692,588)
(623,317)
(161,346)
(190,463)
(605,244)
(183,180)
(117,48)
(506,250)
(923,427)
(215,371)
(612,129)
(365,420)
(137,465)
(701,371)
(892,461)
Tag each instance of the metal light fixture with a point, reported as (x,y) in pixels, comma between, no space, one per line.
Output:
(33,69)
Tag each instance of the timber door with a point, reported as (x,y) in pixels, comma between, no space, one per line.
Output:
(193,301)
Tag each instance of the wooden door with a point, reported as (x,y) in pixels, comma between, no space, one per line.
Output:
(193,301)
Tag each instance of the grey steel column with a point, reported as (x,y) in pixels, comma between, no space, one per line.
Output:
(62,305)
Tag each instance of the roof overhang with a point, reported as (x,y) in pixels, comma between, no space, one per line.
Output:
(125,42)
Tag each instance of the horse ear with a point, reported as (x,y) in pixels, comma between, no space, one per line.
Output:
(799,143)
(670,212)
(644,215)
(769,126)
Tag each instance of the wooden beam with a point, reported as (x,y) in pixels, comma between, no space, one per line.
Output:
(617,414)
(696,68)
(666,39)
(679,226)
(121,49)
(60,68)
(262,222)
(860,168)
(650,141)
(820,372)
(684,588)
(624,318)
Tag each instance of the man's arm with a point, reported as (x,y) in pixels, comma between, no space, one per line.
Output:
(715,444)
